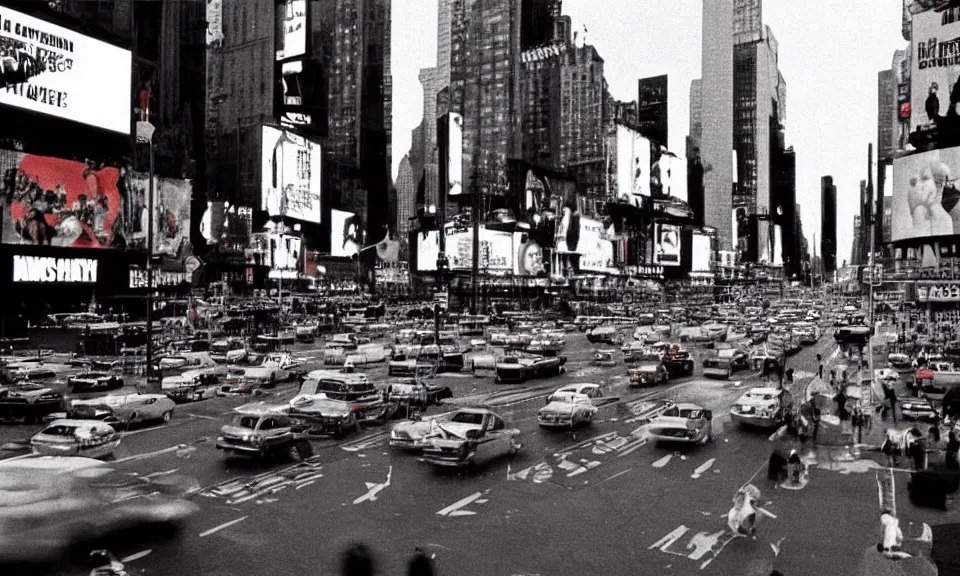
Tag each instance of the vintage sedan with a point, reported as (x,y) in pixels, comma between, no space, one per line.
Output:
(886,375)
(192,384)
(605,335)
(409,434)
(235,384)
(323,415)
(128,409)
(918,409)
(62,502)
(739,358)
(276,367)
(523,367)
(94,382)
(570,406)
(683,422)
(412,392)
(677,360)
(407,361)
(88,438)
(604,358)
(229,351)
(649,371)
(718,367)
(761,408)
(478,436)
(262,430)
(29,401)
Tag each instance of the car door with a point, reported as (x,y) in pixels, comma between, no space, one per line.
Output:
(148,409)
(485,441)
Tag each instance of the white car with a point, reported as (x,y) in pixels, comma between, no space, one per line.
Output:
(570,406)
(276,367)
(129,409)
(688,423)
(88,438)
(761,407)
(886,375)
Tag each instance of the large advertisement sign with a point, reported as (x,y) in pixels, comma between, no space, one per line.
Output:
(667,246)
(652,109)
(291,175)
(668,177)
(938,292)
(294,37)
(286,253)
(496,250)
(56,71)
(595,246)
(530,260)
(702,253)
(346,234)
(428,250)
(171,225)
(455,155)
(926,194)
(51,270)
(935,70)
(214,22)
(633,166)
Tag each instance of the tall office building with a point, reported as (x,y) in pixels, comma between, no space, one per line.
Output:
(444,23)
(856,250)
(696,119)
(431,83)
(828,225)
(716,145)
(406,196)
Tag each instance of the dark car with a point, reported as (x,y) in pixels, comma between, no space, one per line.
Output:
(95,382)
(523,367)
(28,401)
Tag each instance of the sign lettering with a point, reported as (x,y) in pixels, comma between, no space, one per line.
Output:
(43,269)
(939,292)
(138,278)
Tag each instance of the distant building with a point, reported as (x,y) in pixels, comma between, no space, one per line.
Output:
(828,225)
(406,196)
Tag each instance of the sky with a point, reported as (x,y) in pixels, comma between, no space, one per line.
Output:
(830,54)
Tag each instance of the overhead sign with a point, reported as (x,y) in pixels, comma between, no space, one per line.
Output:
(938,292)
(542,53)
(161,278)
(52,70)
(294,36)
(50,270)
(496,250)
(667,247)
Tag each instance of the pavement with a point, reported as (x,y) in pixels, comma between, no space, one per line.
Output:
(603,500)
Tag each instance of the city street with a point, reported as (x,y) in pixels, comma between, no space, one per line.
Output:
(602,497)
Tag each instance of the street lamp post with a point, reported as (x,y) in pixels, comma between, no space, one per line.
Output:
(145,132)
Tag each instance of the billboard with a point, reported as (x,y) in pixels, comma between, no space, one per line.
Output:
(346,234)
(926,194)
(777,245)
(428,250)
(43,269)
(702,253)
(652,109)
(633,166)
(595,246)
(935,67)
(667,246)
(214,22)
(291,175)
(52,70)
(286,252)
(455,155)
(529,259)
(668,176)
(938,292)
(496,250)
(294,34)
(171,202)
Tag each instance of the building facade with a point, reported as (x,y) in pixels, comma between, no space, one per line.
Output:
(828,226)
(406,196)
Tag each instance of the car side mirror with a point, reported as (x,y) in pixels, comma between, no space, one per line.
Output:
(474,434)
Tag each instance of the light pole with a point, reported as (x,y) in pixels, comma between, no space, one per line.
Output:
(145,132)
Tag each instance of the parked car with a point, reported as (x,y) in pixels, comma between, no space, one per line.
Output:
(718,367)
(682,422)
(94,382)
(677,360)
(761,408)
(918,409)
(605,358)
(649,371)
(262,430)
(523,367)
(570,406)
(62,502)
(87,438)
(124,410)
(739,358)
(478,436)
(410,391)
(276,367)
(229,351)
(192,385)
(605,335)
(325,416)
(27,401)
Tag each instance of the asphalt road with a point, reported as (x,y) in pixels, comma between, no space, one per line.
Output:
(602,501)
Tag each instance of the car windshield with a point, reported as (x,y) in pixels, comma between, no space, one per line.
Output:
(761,395)
(60,430)
(468,418)
(689,413)
(243,421)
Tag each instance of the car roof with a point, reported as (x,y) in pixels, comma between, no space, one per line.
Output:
(78,423)
(262,409)
(689,406)
(774,391)
(576,388)
(59,463)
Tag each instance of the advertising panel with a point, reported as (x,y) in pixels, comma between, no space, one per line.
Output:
(161,278)
(652,109)
(633,166)
(926,194)
(171,225)
(669,177)
(595,246)
(496,250)
(214,22)
(935,70)
(428,250)
(702,253)
(777,245)
(529,260)
(294,37)
(291,175)
(455,155)
(213,225)
(56,71)
(50,270)
(286,253)
(667,247)
(346,234)
(938,292)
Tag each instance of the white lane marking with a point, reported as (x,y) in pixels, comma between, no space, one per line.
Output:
(614,476)
(669,539)
(663,461)
(365,442)
(202,417)
(164,473)
(374,489)
(135,557)
(767,513)
(587,442)
(185,449)
(776,547)
(459,504)
(216,529)
(703,468)
(703,543)
(305,484)
(632,447)
(730,539)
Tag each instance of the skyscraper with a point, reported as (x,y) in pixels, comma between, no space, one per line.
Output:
(696,119)
(717,100)
(406,196)
(828,225)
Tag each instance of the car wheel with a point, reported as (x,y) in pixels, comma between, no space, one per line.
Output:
(338,431)
(166,416)
(293,453)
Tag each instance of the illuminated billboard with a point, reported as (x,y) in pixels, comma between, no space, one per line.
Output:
(346,234)
(52,70)
(455,155)
(291,167)
(42,269)
(171,201)
(294,37)
(667,245)
(595,246)
(633,166)
(926,195)
(529,259)
(496,250)
(935,67)
(428,250)
(702,256)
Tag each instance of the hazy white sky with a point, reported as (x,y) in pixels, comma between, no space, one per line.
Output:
(830,53)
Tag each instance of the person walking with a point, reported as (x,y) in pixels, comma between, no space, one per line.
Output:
(820,368)
(420,564)
(891,395)
(952,457)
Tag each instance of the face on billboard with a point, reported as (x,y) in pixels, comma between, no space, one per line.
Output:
(346,233)
(673,176)
(530,259)
(935,70)
(668,245)
(455,168)
(926,194)
(291,175)
(294,29)
(52,70)
(595,247)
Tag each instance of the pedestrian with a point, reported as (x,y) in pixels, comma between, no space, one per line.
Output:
(952,459)
(742,518)
(858,423)
(780,374)
(833,379)
(841,400)
(917,450)
(790,375)
(357,560)
(420,564)
(933,446)
(816,422)
(892,399)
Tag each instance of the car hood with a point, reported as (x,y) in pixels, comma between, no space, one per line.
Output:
(646,368)
(451,430)
(236,431)
(559,407)
(669,422)
(748,401)
(176,381)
